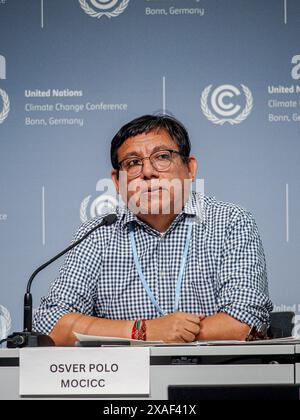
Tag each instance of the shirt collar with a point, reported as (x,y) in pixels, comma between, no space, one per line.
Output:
(195,206)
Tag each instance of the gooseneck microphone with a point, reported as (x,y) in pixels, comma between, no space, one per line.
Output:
(29,338)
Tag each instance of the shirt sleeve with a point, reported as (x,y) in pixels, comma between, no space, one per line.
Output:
(243,286)
(74,289)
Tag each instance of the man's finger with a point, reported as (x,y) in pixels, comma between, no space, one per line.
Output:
(194,318)
(187,336)
(192,328)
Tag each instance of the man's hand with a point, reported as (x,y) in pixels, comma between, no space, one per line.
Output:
(222,326)
(180,327)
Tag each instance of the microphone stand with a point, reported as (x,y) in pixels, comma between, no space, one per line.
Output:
(29,338)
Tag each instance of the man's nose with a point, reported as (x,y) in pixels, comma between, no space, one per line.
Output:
(148,171)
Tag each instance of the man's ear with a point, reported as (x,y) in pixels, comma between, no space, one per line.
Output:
(192,167)
(115,178)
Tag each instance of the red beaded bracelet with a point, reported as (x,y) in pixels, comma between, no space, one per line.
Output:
(139,330)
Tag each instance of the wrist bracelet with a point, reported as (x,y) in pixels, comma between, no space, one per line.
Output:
(139,330)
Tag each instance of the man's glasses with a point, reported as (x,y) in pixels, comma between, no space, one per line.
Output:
(161,161)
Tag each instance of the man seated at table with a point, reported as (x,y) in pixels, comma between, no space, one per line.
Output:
(176,266)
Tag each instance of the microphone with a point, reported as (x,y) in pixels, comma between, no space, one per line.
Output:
(29,338)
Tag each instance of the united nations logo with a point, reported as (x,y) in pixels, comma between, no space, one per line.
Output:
(101,205)
(5,322)
(6,105)
(225,111)
(99,8)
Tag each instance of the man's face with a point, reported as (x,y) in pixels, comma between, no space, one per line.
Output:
(154,191)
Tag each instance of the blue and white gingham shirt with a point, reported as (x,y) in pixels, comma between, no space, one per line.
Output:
(225,269)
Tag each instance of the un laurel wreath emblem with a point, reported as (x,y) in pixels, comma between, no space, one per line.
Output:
(103,204)
(5,322)
(104,7)
(6,105)
(221,121)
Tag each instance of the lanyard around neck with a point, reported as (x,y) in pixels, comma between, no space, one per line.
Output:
(180,275)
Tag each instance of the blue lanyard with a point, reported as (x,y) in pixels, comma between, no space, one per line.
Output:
(180,275)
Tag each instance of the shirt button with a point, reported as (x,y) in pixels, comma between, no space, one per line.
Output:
(162,275)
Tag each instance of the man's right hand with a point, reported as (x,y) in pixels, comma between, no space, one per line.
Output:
(179,327)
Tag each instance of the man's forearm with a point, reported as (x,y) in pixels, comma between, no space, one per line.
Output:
(222,327)
(62,333)
(216,327)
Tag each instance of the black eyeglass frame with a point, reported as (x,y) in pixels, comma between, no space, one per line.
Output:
(149,157)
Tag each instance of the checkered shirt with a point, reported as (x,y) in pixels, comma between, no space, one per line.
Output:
(225,270)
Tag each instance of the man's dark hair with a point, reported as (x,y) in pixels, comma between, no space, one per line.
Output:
(146,124)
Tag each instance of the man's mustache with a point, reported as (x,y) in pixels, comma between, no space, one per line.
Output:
(143,187)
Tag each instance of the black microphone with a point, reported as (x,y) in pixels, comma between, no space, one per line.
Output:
(29,338)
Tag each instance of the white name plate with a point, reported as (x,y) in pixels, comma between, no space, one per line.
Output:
(84,371)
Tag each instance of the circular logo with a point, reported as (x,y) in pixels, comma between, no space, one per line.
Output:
(5,322)
(101,205)
(99,8)
(222,108)
(6,105)
(104,4)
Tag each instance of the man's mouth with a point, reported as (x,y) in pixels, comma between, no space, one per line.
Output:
(152,190)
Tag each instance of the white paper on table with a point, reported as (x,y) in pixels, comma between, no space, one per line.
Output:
(102,339)
(97,339)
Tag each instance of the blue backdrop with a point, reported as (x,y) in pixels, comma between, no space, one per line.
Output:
(73,71)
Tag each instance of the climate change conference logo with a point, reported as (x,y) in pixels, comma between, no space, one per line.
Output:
(6,105)
(99,8)
(5,322)
(222,109)
(4,99)
(101,205)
